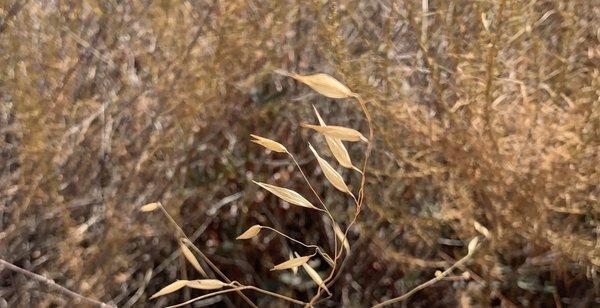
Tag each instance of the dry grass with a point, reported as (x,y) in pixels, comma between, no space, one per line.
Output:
(486,113)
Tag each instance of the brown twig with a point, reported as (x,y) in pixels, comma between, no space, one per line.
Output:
(50,283)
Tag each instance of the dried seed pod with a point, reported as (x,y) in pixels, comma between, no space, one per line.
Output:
(250,233)
(324,84)
(269,144)
(294,262)
(287,195)
(339,132)
(333,176)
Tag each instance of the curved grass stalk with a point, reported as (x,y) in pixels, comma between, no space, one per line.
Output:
(358,202)
(335,244)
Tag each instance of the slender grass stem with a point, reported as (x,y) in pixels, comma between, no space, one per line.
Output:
(427,283)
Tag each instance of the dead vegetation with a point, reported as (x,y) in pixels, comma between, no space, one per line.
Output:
(487,121)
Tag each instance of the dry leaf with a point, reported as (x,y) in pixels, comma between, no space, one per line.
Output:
(291,263)
(337,147)
(287,195)
(339,132)
(178,284)
(150,207)
(206,284)
(314,275)
(341,237)
(324,84)
(250,233)
(333,176)
(187,253)
(269,144)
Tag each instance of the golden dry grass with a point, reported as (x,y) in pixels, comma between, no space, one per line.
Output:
(487,121)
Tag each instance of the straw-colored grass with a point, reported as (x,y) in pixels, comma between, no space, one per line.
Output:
(486,120)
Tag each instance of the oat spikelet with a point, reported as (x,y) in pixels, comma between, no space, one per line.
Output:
(205,284)
(269,144)
(340,234)
(291,263)
(324,84)
(339,132)
(187,253)
(149,207)
(472,245)
(174,286)
(333,176)
(287,195)
(250,233)
(481,229)
(336,147)
(294,268)
(314,275)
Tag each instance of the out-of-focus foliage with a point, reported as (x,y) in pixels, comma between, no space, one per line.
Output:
(487,114)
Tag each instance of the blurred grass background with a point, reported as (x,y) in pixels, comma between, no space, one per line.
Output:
(487,113)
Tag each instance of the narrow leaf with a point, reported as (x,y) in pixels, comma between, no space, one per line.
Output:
(333,176)
(294,262)
(187,253)
(336,146)
(149,207)
(339,132)
(269,144)
(206,284)
(287,195)
(178,284)
(250,233)
(324,84)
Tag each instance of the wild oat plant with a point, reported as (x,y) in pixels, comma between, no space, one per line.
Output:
(334,136)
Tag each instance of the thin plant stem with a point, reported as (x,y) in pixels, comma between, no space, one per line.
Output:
(317,248)
(359,202)
(335,244)
(198,251)
(50,283)
(427,283)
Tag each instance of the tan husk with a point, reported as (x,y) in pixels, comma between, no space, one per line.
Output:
(205,284)
(295,268)
(341,237)
(294,262)
(333,176)
(314,275)
(269,144)
(149,207)
(172,287)
(287,195)
(324,84)
(339,132)
(187,253)
(336,147)
(250,233)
